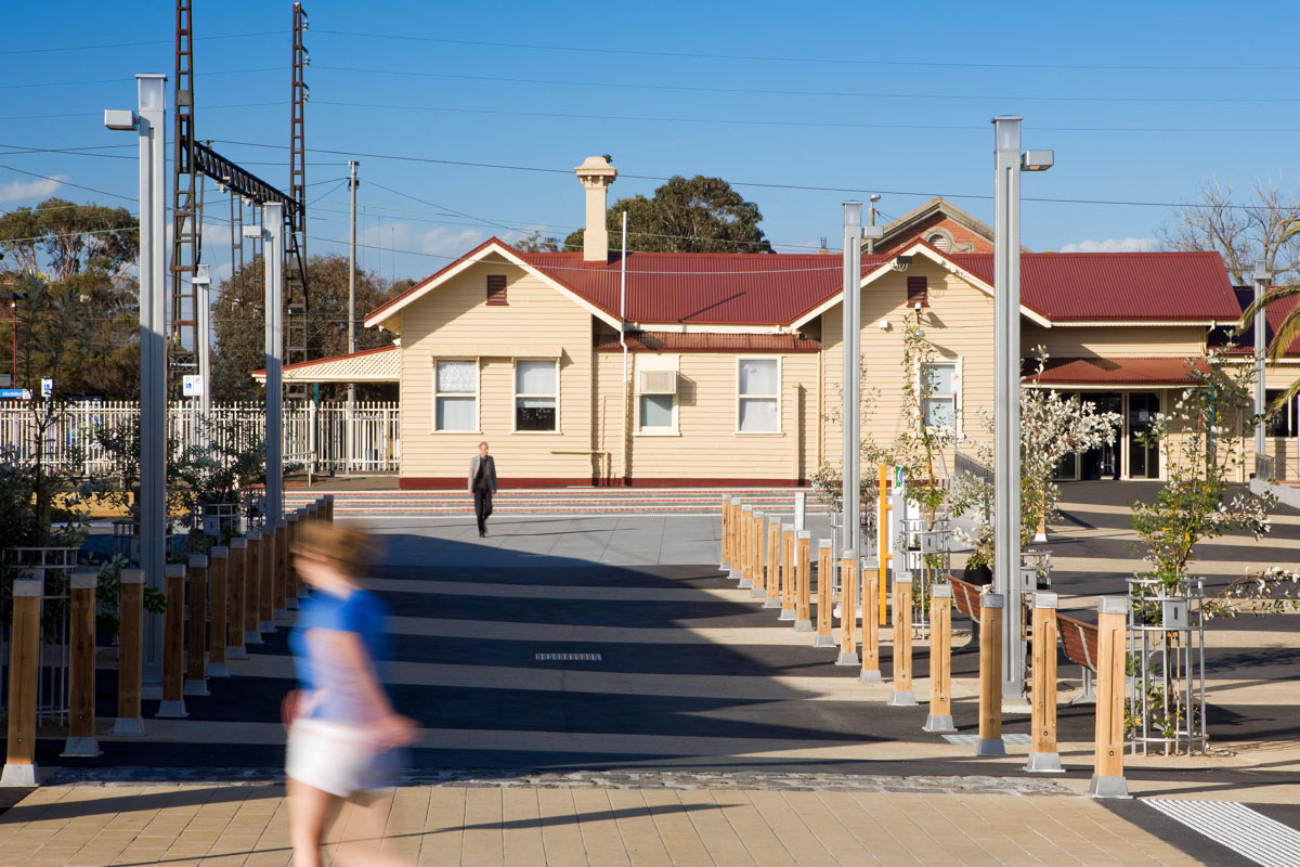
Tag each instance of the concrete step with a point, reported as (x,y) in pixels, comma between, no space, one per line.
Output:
(554,501)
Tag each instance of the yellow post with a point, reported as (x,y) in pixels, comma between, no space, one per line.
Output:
(903,696)
(235,632)
(825,587)
(130,654)
(803,582)
(1112,628)
(724,546)
(787,572)
(196,664)
(772,587)
(758,542)
(218,609)
(24,672)
(744,533)
(990,743)
(870,629)
(173,700)
(939,719)
(253,589)
(82,741)
(733,539)
(1043,757)
(848,609)
(882,546)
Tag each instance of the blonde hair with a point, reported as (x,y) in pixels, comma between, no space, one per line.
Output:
(352,548)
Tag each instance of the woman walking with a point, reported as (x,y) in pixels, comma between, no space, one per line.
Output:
(344,736)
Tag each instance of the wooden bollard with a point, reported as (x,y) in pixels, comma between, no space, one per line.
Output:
(196,662)
(902,696)
(758,544)
(990,742)
(218,609)
(724,547)
(130,654)
(253,589)
(825,592)
(848,609)
(293,525)
(883,509)
(787,572)
(939,719)
(744,527)
(1108,768)
(82,741)
(329,508)
(300,586)
(173,700)
(235,647)
(1043,757)
(772,587)
(733,538)
(870,628)
(803,582)
(24,673)
(280,599)
(266,581)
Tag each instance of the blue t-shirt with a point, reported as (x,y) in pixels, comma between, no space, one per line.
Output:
(337,691)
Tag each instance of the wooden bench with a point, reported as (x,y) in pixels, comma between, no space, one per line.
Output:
(1080,642)
(966,596)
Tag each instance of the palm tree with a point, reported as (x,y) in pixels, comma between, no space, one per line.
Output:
(1289,329)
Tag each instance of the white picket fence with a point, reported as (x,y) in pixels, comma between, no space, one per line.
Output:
(325,437)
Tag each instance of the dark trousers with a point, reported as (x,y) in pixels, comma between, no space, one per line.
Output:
(482,507)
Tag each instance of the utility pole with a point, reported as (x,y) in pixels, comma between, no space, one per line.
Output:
(871,221)
(352,307)
(1260,279)
(852,380)
(273,263)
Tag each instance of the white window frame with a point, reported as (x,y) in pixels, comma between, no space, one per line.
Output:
(514,403)
(780,417)
(956,365)
(645,362)
(478,397)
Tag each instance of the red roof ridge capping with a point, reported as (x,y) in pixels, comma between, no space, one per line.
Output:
(456,260)
(674,341)
(300,364)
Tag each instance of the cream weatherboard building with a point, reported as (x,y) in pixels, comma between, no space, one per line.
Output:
(676,369)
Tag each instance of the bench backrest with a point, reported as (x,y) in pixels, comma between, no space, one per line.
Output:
(1080,640)
(967,597)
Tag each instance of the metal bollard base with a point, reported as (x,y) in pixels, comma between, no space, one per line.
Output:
(236,652)
(291,603)
(849,658)
(757,592)
(733,574)
(772,602)
(990,747)
(1109,787)
(196,687)
(938,724)
(252,638)
(129,726)
(281,615)
(787,614)
(824,641)
(172,710)
(1044,763)
(266,626)
(803,626)
(18,776)
(81,748)
(218,669)
(902,698)
(870,675)
(745,584)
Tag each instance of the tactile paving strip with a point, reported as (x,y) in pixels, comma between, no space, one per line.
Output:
(1236,826)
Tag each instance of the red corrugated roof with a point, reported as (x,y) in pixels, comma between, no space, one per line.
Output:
(1159,287)
(1244,343)
(640,341)
(768,289)
(1119,371)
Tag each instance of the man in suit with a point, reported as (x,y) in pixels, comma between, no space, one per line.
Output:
(482,484)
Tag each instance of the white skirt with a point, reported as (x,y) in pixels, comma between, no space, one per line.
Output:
(337,758)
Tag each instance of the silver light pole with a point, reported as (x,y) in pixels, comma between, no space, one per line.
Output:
(151,126)
(203,283)
(1008,163)
(352,313)
(1260,279)
(272,257)
(852,376)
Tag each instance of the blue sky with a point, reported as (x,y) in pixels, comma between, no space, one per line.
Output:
(799,105)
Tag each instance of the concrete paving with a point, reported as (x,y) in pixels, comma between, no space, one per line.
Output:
(694,729)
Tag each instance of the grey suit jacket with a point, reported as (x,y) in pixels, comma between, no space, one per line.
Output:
(490,473)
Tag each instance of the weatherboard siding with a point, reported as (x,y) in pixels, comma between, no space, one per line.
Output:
(454,321)
(1112,341)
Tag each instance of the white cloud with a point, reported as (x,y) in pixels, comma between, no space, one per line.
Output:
(1112,245)
(43,188)
(449,242)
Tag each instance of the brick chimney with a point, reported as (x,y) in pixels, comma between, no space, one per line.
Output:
(596,175)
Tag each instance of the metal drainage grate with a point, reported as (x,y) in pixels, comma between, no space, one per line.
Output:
(1011,740)
(567,657)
